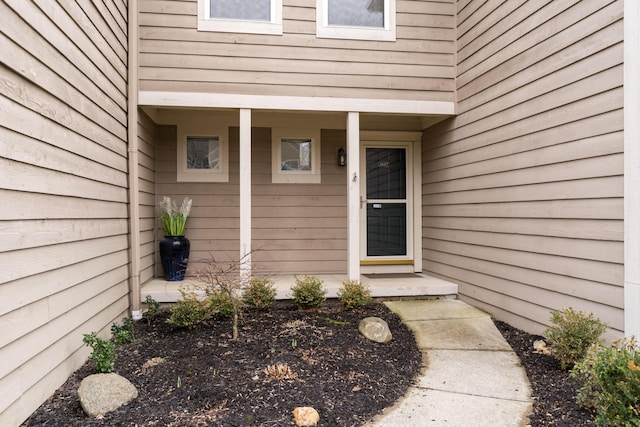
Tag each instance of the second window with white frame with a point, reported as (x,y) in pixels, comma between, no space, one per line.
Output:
(295,156)
(356,19)
(240,16)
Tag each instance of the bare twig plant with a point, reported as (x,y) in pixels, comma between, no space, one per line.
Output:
(226,277)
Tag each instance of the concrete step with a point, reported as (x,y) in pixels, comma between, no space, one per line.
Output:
(415,285)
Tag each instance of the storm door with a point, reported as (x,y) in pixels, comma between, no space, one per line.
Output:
(386,204)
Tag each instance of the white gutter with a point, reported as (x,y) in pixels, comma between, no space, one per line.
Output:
(132,137)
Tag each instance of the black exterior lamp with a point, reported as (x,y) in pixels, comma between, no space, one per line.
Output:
(341,157)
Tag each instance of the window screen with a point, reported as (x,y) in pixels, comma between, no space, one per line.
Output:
(295,154)
(252,10)
(356,13)
(203,152)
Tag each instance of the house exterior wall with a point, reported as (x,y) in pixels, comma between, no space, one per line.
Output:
(296,228)
(147,137)
(523,190)
(63,184)
(419,65)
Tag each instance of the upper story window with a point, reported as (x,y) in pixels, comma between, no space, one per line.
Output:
(240,16)
(356,19)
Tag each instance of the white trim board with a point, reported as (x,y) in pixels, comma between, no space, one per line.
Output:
(631,168)
(296,103)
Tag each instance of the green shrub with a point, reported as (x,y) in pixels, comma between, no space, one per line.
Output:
(189,312)
(123,334)
(611,378)
(354,294)
(308,292)
(104,352)
(260,294)
(571,334)
(219,305)
(153,307)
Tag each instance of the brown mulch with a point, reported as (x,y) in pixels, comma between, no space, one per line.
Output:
(207,379)
(552,389)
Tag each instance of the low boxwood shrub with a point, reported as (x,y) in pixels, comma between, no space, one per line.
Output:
(153,308)
(354,294)
(611,378)
(189,312)
(260,294)
(219,305)
(308,292)
(571,333)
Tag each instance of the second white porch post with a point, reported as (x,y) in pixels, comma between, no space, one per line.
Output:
(353,194)
(245,193)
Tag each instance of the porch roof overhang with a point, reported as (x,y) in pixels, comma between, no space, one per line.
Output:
(162,99)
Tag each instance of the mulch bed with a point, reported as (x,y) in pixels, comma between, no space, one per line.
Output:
(552,389)
(207,379)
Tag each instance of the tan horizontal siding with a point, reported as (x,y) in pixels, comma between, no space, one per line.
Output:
(570,228)
(290,90)
(213,226)
(63,174)
(44,232)
(49,369)
(418,65)
(63,56)
(588,294)
(147,136)
(296,228)
(522,192)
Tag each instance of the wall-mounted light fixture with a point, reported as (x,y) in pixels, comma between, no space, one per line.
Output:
(341,157)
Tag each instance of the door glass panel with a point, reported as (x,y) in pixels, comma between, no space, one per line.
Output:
(386,193)
(386,173)
(386,229)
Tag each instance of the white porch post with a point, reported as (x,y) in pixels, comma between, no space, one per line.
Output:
(631,169)
(353,194)
(245,193)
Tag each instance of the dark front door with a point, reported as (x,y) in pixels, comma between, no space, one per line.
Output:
(386,202)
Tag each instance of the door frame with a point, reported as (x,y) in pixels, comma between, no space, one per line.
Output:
(412,262)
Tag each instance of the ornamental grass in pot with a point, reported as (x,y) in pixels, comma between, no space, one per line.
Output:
(174,248)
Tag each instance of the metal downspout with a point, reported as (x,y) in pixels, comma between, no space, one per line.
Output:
(132,137)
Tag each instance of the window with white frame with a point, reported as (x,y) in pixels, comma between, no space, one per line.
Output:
(356,19)
(203,155)
(295,156)
(240,16)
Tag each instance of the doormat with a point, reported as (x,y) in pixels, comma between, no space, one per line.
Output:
(391,276)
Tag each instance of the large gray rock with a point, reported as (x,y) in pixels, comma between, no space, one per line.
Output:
(102,393)
(375,329)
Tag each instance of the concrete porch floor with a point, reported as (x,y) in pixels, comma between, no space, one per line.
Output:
(381,285)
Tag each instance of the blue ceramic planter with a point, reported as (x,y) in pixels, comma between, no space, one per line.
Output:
(174,255)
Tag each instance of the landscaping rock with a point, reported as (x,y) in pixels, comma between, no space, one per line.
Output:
(305,416)
(102,393)
(540,347)
(375,329)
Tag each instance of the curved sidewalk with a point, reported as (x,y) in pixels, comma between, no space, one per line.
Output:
(471,376)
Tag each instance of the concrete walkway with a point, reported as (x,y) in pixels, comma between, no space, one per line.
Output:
(471,376)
